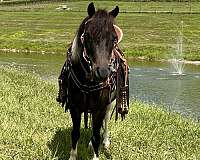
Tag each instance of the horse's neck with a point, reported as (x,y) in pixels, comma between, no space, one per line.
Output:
(76,57)
(76,50)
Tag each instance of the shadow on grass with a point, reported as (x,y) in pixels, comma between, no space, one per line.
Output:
(60,145)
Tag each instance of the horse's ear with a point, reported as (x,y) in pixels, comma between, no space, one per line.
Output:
(91,9)
(115,11)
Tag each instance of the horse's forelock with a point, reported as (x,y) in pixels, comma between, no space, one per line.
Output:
(100,24)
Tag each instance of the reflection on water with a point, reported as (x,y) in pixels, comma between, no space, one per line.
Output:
(46,66)
(149,82)
(156,83)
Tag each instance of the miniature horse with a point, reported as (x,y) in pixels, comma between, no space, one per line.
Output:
(90,77)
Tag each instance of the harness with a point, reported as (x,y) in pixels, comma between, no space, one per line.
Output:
(85,88)
(117,81)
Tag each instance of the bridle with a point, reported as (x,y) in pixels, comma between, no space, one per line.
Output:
(89,75)
(91,87)
(86,57)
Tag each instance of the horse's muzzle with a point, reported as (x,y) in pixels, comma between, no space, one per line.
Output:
(101,73)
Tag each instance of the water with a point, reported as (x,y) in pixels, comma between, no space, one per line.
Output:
(177,58)
(153,83)
(47,67)
(156,83)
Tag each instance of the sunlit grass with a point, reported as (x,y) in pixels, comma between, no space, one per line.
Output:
(34,126)
(42,28)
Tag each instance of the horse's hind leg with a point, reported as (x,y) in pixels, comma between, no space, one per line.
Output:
(106,141)
(97,121)
(75,134)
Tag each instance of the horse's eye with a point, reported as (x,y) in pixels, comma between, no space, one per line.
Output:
(114,37)
(86,35)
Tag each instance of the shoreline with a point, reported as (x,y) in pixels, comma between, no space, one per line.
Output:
(163,60)
(127,57)
(191,62)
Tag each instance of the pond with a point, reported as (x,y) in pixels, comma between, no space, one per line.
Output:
(156,83)
(150,82)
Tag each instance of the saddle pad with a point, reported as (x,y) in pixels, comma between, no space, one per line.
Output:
(119,33)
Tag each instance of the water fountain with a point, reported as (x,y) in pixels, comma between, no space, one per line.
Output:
(177,58)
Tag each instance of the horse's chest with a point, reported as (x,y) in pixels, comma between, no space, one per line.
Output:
(91,101)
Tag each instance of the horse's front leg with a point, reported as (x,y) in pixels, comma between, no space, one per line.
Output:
(86,119)
(106,140)
(97,121)
(75,134)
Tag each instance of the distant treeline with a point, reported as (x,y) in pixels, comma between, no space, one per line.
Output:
(15,2)
(7,2)
(163,0)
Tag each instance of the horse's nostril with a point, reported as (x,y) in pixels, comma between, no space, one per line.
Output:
(102,72)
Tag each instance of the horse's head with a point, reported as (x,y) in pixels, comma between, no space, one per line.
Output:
(98,39)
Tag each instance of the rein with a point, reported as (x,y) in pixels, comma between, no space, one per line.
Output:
(87,88)
(86,57)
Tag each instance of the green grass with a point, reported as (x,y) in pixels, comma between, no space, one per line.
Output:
(43,29)
(34,126)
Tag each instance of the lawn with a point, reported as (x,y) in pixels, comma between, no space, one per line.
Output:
(40,28)
(34,126)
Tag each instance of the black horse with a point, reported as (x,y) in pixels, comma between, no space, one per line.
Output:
(90,75)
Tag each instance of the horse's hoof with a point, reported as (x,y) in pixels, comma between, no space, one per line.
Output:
(72,158)
(73,154)
(95,157)
(106,143)
(90,144)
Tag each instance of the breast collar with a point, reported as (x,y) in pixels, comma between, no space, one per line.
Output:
(108,83)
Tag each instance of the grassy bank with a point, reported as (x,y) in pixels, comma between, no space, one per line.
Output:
(43,29)
(34,126)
